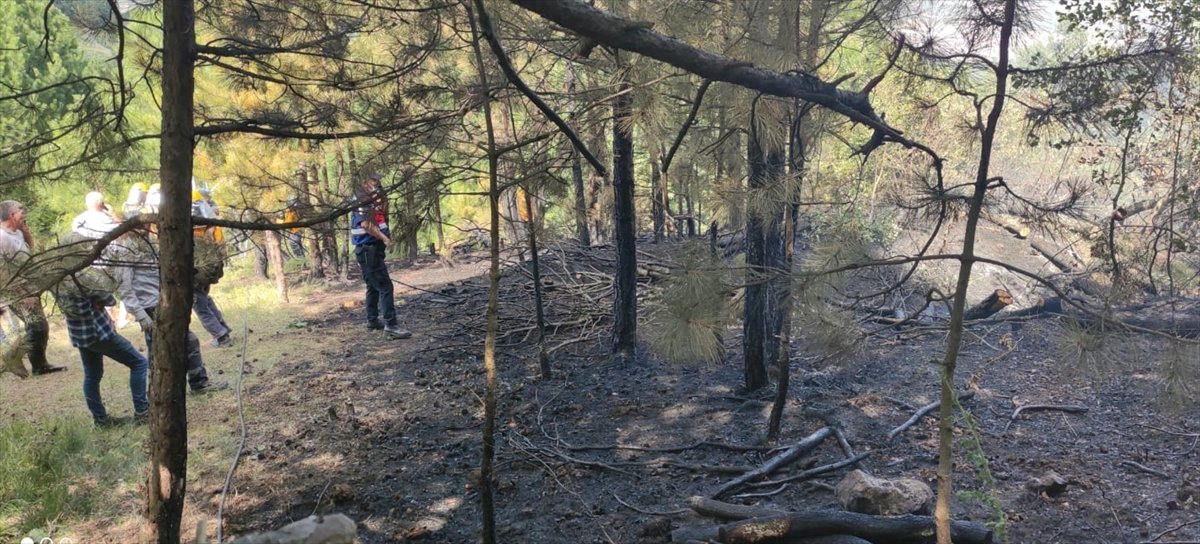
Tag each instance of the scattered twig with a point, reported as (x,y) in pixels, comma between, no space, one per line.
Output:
(1171,530)
(760,494)
(1146,469)
(922,412)
(1039,407)
(649,512)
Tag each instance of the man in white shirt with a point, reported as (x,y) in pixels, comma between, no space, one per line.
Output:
(96,220)
(15,243)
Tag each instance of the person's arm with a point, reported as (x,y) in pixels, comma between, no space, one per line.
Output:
(373,230)
(27,236)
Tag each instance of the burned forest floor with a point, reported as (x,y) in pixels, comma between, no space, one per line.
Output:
(388,432)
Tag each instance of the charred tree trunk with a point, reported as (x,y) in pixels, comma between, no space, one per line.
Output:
(625,279)
(657,213)
(776,287)
(532,227)
(581,215)
(754,320)
(486,468)
(168,381)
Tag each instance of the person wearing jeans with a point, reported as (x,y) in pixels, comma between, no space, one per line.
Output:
(93,334)
(135,270)
(369,232)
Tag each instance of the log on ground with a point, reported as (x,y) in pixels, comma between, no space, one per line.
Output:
(877,529)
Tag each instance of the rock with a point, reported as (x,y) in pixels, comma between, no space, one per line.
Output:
(1050,483)
(860,492)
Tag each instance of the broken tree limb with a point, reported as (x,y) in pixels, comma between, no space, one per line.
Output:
(876,529)
(815,471)
(330,529)
(789,456)
(990,305)
(728,511)
(1039,407)
(922,412)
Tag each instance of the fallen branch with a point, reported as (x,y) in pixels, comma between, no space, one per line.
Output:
(817,471)
(649,512)
(787,457)
(922,412)
(727,511)
(1033,407)
(1145,469)
(820,523)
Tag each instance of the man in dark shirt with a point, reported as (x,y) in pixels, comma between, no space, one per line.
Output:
(369,232)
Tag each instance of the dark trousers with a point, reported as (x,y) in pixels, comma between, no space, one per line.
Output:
(210,316)
(37,331)
(196,373)
(380,302)
(120,350)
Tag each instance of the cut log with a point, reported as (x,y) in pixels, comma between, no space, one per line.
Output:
(990,305)
(1054,255)
(331,529)
(877,529)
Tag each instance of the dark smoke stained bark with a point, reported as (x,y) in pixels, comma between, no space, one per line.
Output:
(625,281)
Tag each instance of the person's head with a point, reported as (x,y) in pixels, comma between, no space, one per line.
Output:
(372,182)
(94,201)
(12,213)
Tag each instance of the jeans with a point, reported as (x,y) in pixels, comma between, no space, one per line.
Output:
(210,316)
(196,373)
(120,350)
(379,283)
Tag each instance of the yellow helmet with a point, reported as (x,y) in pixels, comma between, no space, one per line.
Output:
(196,196)
(140,187)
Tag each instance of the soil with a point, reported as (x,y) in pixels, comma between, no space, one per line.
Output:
(388,431)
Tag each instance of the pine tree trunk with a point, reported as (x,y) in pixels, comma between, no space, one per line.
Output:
(532,226)
(275,257)
(168,381)
(412,224)
(754,321)
(581,215)
(945,472)
(329,245)
(313,189)
(657,214)
(486,468)
(625,279)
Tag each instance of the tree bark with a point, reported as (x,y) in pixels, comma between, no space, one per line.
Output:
(311,187)
(168,381)
(275,258)
(486,468)
(581,215)
(625,279)
(754,321)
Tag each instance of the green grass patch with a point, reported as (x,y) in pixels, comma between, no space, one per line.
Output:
(64,469)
